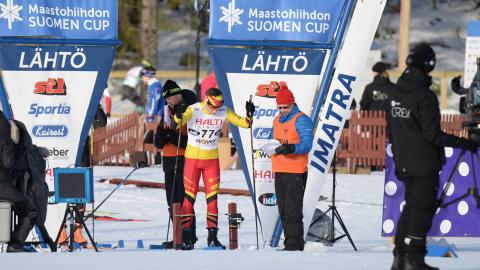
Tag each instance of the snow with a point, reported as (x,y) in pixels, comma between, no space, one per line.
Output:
(359,202)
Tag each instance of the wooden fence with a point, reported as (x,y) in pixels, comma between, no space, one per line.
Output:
(362,143)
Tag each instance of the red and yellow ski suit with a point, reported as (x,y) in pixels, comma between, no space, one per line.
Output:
(201,157)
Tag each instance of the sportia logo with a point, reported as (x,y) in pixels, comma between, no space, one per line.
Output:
(231,15)
(10,12)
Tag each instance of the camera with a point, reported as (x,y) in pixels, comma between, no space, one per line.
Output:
(470,102)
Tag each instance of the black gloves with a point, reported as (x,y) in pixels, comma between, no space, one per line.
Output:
(250,108)
(469,145)
(285,149)
(179,110)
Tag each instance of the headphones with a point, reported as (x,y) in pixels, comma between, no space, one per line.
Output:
(428,64)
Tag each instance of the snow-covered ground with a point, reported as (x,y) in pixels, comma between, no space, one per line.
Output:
(359,202)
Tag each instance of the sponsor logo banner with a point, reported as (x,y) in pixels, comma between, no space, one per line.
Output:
(55,92)
(49,131)
(259,73)
(349,65)
(80,19)
(268,199)
(307,20)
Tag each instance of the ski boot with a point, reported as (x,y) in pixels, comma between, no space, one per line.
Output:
(78,236)
(212,238)
(186,240)
(62,240)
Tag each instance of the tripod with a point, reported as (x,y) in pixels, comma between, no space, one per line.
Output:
(333,209)
(471,191)
(71,212)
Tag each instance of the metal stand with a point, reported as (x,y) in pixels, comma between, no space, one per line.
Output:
(334,211)
(71,212)
(472,191)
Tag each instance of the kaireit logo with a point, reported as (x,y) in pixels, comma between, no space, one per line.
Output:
(10,12)
(49,131)
(231,15)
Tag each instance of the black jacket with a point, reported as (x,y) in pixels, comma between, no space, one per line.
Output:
(8,150)
(166,135)
(99,121)
(413,126)
(375,95)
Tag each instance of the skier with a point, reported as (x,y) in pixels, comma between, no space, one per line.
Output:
(204,122)
(167,139)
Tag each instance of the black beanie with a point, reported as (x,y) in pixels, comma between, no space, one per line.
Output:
(422,57)
(379,67)
(171,88)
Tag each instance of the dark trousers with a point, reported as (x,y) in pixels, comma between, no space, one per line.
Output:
(289,188)
(169,169)
(179,191)
(417,215)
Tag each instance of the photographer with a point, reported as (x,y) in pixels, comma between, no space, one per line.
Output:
(413,127)
(9,153)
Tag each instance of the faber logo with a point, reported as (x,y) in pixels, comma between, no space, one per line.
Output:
(231,15)
(10,12)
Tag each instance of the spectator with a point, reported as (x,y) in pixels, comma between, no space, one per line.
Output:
(375,95)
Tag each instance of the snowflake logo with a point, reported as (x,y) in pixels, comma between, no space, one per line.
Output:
(231,15)
(10,12)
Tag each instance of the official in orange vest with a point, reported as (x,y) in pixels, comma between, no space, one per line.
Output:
(294,130)
(167,139)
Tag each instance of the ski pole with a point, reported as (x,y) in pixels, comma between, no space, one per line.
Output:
(253,174)
(138,165)
(174,178)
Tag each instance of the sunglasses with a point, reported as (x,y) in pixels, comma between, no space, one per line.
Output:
(213,106)
(283,107)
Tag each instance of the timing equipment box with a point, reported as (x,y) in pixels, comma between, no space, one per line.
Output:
(5,221)
(73,185)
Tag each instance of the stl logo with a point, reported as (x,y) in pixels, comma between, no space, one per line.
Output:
(51,87)
(10,12)
(269,90)
(231,15)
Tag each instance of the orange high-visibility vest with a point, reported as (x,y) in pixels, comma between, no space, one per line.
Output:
(170,149)
(286,133)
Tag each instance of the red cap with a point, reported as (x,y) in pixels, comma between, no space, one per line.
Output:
(285,96)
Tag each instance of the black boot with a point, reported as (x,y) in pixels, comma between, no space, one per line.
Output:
(414,263)
(186,240)
(398,261)
(19,235)
(193,231)
(212,238)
